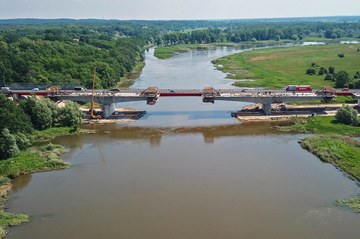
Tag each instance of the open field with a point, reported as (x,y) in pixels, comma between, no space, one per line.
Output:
(278,67)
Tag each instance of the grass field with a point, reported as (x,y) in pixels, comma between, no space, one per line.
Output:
(322,125)
(169,51)
(278,67)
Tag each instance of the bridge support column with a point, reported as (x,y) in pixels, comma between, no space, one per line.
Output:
(108,109)
(358,103)
(266,108)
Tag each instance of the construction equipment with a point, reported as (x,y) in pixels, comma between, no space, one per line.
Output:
(92,115)
(152,94)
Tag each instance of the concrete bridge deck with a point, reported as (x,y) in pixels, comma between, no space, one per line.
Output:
(108,98)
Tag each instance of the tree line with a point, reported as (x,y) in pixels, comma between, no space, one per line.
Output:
(19,119)
(65,50)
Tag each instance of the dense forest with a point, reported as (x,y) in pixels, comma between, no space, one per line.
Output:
(65,50)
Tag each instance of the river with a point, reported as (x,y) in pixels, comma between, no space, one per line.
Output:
(186,170)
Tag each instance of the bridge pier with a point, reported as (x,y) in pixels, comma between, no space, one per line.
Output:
(266,108)
(358,103)
(108,109)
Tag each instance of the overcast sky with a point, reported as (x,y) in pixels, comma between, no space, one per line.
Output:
(176,9)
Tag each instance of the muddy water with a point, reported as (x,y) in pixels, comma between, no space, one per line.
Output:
(187,170)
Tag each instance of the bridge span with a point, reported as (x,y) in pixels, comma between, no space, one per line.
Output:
(108,98)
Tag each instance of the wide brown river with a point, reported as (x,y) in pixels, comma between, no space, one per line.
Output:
(186,170)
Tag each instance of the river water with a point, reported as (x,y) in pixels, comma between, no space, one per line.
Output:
(186,170)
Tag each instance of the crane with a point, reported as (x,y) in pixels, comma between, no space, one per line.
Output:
(92,115)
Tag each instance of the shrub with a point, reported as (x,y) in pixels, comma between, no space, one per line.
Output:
(341,79)
(341,55)
(311,71)
(347,115)
(329,77)
(357,75)
(322,71)
(8,146)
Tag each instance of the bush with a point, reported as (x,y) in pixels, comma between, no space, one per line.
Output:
(329,77)
(342,79)
(8,146)
(357,75)
(347,115)
(341,55)
(331,70)
(311,71)
(322,71)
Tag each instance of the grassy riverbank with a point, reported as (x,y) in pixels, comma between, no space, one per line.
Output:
(37,159)
(169,51)
(129,78)
(321,125)
(341,151)
(34,159)
(278,67)
(332,144)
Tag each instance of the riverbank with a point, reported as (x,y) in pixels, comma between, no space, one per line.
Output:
(128,79)
(278,67)
(333,143)
(34,159)
(341,151)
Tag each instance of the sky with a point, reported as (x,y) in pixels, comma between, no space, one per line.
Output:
(176,9)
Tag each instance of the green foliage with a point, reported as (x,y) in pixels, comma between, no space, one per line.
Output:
(353,203)
(278,67)
(347,115)
(8,146)
(311,71)
(324,125)
(70,115)
(329,77)
(322,71)
(22,141)
(357,75)
(33,160)
(40,114)
(11,219)
(342,79)
(13,117)
(341,55)
(342,151)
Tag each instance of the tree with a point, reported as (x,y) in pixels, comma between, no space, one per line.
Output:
(331,70)
(347,115)
(13,117)
(342,79)
(40,114)
(322,71)
(357,75)
(311,71)
(8,146)
(70,115)
(329,77)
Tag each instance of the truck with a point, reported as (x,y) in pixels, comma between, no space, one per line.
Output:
(302,88)
(5,90)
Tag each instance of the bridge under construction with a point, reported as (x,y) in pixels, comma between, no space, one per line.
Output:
(109,98)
